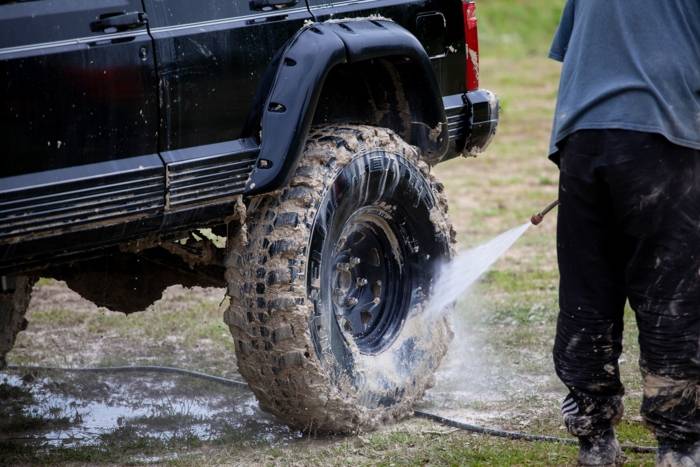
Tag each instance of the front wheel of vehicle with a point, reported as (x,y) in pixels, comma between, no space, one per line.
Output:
(327,294)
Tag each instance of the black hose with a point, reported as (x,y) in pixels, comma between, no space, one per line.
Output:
(233,382)
(516,435)
(492,431)
(135,369)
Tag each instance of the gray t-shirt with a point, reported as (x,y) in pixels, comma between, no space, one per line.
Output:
(631,65)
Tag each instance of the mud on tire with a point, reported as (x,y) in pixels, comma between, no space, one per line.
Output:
(327,288)
(13,306)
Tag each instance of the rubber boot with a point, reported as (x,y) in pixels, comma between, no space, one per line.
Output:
(678,454)
(600,450)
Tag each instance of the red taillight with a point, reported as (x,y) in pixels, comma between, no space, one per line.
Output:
(471,44)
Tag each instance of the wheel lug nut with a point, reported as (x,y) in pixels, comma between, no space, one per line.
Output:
(361,281)
(377,300)
(351,301)
(342,266)
(354,261)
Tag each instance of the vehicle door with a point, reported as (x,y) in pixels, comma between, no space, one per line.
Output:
(211,59)
(78,119)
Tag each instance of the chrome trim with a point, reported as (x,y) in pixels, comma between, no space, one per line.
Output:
(223,21)
(335,5)
(69,42)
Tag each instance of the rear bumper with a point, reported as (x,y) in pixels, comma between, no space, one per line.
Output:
(472,119)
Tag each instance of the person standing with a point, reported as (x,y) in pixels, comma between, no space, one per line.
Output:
(626,137)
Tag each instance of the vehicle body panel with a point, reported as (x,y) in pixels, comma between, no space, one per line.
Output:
(447,59)
(113,135)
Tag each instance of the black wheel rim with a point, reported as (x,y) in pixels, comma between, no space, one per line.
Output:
(368,287)
(379,201)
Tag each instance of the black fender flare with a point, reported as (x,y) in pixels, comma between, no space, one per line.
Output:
(292,94)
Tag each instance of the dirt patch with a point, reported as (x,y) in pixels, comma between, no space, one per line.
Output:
(184,328)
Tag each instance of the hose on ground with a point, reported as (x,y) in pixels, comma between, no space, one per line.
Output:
(133,369)
(513,435)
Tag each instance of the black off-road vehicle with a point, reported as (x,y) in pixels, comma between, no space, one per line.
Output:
(136,133)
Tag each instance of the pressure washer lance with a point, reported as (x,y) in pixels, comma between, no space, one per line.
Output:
(539,217)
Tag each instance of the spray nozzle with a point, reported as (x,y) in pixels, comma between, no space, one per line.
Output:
(539,217)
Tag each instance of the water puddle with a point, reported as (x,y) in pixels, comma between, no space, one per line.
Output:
(68,409)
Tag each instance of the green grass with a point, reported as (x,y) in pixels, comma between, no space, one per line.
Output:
(517,28)
(418,446)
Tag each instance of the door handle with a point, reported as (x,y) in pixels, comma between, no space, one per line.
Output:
(120,21)
(269,5)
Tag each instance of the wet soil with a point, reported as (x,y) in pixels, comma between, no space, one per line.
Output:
(56,409)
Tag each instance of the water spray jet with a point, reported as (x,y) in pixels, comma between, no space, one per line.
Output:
(458,276)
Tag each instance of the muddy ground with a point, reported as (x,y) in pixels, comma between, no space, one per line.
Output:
(498,371)
(154,417)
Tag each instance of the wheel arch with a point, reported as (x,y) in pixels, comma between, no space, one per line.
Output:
(368,60)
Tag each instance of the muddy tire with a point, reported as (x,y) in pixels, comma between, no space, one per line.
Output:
(328,286)
(13,306)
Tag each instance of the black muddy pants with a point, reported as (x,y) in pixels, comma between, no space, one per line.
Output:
(629,229)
